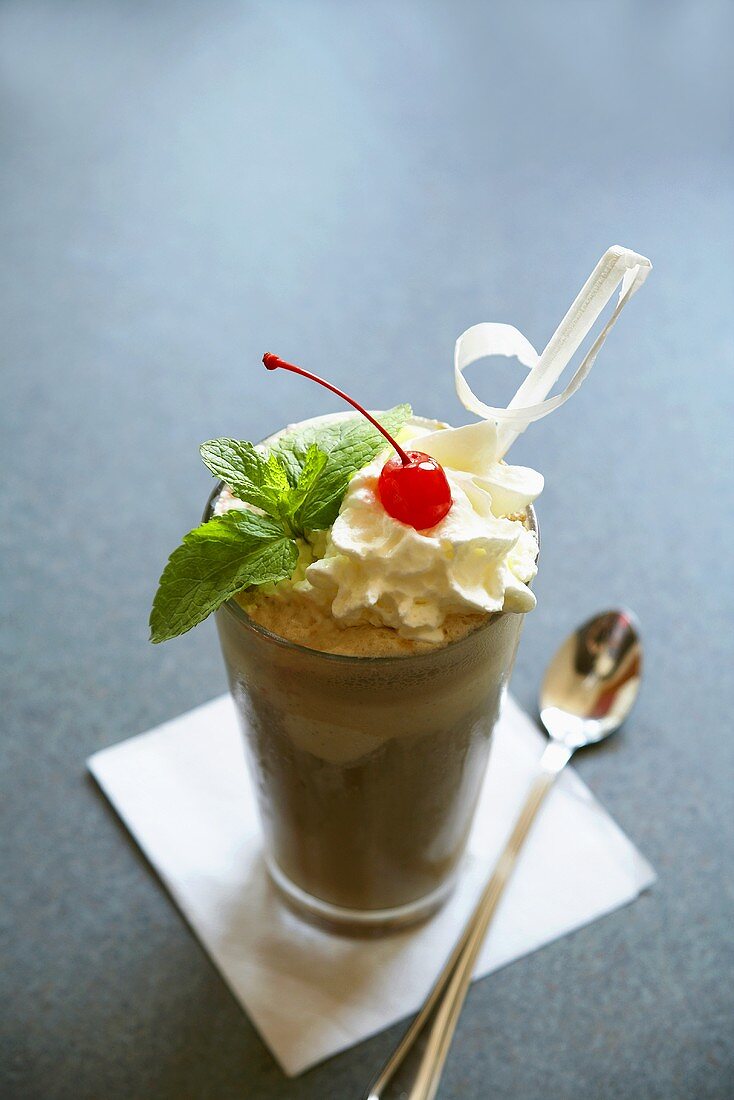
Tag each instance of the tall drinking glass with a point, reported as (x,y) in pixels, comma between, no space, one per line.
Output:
(367,769)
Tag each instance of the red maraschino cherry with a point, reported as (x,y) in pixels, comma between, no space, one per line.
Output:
(412,486)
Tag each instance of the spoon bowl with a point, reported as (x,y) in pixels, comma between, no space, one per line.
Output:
(593,680)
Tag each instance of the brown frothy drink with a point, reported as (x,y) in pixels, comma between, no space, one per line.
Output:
(367,751)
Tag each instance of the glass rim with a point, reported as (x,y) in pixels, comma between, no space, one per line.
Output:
(238,612)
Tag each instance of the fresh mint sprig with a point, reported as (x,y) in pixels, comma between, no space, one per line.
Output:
(298,486)
(266,483)
(215,561)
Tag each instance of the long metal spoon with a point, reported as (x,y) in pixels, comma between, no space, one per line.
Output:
(589,689)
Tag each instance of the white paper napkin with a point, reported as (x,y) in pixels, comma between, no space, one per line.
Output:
(183,791)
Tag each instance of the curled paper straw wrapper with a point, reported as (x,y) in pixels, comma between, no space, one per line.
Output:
(530,403)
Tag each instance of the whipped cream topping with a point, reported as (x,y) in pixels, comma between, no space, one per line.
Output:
(371,569)
(478,559)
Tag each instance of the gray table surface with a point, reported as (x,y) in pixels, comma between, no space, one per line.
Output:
(184,185)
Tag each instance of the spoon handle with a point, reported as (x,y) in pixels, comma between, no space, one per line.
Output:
(447,1015)
(447,997)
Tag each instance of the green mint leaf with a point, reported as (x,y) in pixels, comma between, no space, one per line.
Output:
(292,446)
(221,557)
(277,476)
(251,477)
(349,445)
(314,463)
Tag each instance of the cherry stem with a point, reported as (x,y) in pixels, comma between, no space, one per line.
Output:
(273,362)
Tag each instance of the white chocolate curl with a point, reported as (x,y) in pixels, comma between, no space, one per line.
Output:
(530,403)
